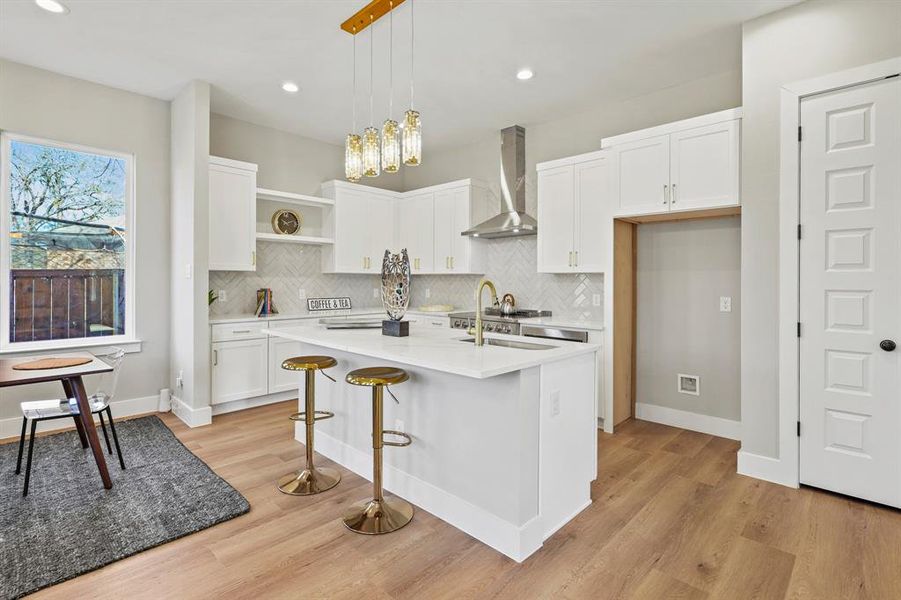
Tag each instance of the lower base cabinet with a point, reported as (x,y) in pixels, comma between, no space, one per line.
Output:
(239,369)
(281,380)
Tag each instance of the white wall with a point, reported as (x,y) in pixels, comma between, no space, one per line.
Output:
(810,39)
(45,104)
(287,162)
(189,348)
(683,269)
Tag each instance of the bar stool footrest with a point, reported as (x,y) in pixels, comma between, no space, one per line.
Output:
(407,438)
(319,415)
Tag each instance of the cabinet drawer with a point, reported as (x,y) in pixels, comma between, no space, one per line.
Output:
(287,323)
(238,331)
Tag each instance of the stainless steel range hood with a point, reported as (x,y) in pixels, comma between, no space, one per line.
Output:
(513,220)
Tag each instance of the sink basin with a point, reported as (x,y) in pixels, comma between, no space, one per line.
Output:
(510,344)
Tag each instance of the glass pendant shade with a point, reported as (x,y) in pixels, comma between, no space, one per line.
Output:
(353,157)
(412,138)
(371,155)
(390,146)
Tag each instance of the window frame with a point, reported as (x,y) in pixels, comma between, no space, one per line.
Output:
(129,338)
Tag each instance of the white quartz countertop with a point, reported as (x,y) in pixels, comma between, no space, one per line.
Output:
(356,312)
(439,349)
(573,322)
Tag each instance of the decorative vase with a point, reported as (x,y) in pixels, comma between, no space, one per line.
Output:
(396,292)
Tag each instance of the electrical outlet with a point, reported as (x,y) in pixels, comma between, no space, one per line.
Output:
(595,299)
(180,380)
(223,296)
(398,425)
(302,294)
(725,304)
(375,292)
(555,403)
(428,292)
(189,270)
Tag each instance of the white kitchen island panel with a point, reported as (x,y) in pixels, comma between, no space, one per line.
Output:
(507,458)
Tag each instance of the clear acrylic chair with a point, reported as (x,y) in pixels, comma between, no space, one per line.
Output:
(46,410)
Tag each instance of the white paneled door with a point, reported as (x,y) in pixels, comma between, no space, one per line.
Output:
(850,291)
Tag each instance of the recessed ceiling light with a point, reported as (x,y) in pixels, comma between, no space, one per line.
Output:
(290,87)
(52,6)
(524,74)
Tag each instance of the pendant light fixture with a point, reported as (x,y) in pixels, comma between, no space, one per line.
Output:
(353,145)
(371,147)
(390,128)
(412,125)
(373,152)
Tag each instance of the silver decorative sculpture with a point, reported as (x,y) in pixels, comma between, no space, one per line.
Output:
(396,292)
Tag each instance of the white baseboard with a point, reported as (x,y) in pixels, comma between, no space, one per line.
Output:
(717,426)
(12,427)
(227,407)
(192,417)
(766,468)
(517,542)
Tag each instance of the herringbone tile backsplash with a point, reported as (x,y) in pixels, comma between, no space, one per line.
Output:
(511,264)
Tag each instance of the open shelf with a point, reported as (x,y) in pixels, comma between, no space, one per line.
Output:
(294,239)
(292,198)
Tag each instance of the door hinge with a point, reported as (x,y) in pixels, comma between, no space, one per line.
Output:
(799,328)
(799,231)
(799,133)
(799,428)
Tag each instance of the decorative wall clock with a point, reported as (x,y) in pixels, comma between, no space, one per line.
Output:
(286,222)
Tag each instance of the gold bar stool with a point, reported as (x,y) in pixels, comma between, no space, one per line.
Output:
(381,514)
(310,480)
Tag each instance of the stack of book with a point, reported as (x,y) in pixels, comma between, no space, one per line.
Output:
(265,305)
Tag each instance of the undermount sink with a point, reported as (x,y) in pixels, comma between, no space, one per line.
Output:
(510,344)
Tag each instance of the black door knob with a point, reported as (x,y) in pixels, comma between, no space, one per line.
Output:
(887,345)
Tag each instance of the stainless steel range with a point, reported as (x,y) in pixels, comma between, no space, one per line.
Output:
(493,320)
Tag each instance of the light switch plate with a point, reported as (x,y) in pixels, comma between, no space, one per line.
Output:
(302,294)
(428,292)
(375,292)
(555,403)
(595,299)
(223,296)
(725,303)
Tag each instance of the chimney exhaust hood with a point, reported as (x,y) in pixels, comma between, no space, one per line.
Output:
(512,220)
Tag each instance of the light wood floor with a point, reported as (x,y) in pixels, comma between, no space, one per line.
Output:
(670,519)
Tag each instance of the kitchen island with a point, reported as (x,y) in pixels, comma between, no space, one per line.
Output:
(504,438)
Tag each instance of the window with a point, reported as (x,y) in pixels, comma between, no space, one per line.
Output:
(67,245)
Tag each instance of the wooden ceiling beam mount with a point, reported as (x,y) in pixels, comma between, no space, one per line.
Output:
(369,14)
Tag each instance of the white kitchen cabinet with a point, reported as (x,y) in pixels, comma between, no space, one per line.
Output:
(453,215)
(556,218)
(643,174)
(573,199)
(281,380)
(362,225)
(415,230)
(365,221)
(684,166)
(239,369)
(233,202)
(704,167)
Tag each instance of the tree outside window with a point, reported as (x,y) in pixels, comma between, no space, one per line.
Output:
(67,242)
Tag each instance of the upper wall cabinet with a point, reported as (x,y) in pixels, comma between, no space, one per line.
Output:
(362,224)
(574,196)
(688,165)
(414,220)
(233,202)
(366,221)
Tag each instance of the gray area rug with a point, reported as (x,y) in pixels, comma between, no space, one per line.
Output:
(69,525)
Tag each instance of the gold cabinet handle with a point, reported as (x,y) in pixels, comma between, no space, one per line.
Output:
(364,263)
(215,358)
(674,193)
(664,193)
(452,263)
(253,257)
(570,263)
(576,254)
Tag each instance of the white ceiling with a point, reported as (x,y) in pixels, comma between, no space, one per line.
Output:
(583,53)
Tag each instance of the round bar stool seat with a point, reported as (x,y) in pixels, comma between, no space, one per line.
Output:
(310,480)
(308,363)
(382,513)
(377,376)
